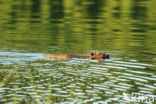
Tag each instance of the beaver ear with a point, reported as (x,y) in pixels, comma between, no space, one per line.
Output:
(92,54)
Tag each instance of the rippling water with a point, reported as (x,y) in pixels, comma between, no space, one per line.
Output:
(30,29)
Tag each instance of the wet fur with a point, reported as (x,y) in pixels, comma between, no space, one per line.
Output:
(93,56)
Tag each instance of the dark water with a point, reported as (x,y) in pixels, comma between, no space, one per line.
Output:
(31,28)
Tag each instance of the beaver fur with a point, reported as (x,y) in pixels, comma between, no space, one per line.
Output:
(93,56)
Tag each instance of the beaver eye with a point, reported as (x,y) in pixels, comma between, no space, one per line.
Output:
(92,54)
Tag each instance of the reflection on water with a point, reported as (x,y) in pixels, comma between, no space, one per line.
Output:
(31,77)
(29,29)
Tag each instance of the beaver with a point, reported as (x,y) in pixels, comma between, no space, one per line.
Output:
(93,56)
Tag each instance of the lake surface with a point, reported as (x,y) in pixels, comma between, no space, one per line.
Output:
(124,29)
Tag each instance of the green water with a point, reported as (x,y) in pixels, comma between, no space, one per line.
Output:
(126,29)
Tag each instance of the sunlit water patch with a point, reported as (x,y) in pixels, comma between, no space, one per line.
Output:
(14,57)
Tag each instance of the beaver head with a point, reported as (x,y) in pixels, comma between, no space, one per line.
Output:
(99,55)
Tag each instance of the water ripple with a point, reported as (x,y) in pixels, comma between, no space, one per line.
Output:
(94,81)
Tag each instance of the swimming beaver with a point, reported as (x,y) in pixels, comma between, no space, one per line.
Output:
(93,56)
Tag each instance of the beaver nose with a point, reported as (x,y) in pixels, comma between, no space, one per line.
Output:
(106,56)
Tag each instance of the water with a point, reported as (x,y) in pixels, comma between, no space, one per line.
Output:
(30,29)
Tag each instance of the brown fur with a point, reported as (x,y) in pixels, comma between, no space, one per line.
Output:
(93,56)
